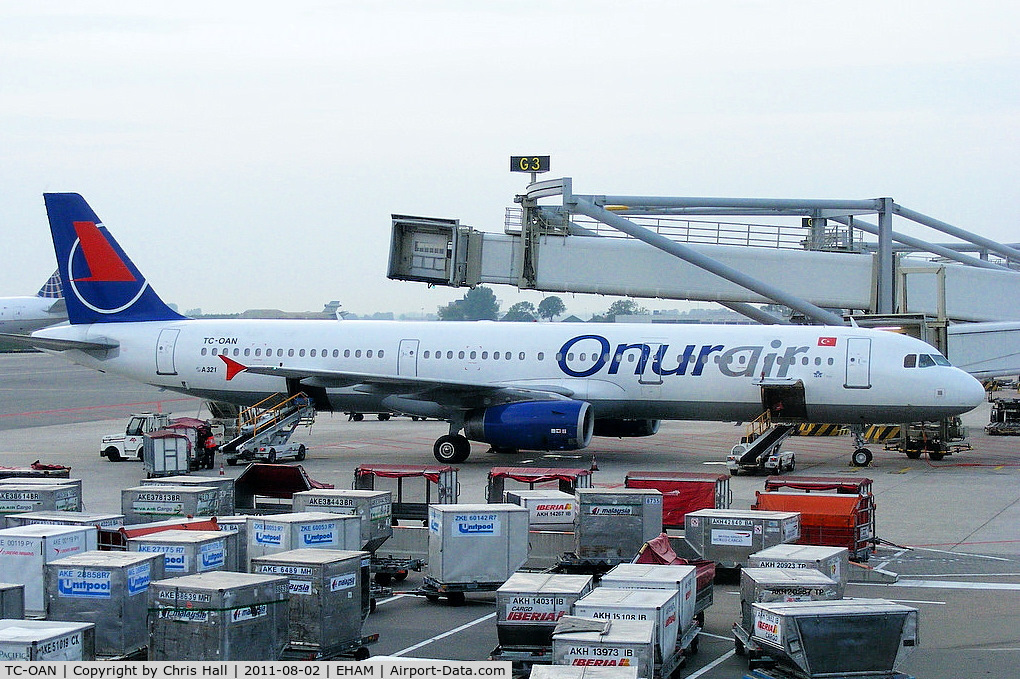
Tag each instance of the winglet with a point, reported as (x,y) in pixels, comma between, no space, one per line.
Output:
(233,367)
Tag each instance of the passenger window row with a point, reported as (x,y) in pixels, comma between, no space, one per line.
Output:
(300,353)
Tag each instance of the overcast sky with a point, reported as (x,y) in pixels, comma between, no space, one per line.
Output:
(249,154)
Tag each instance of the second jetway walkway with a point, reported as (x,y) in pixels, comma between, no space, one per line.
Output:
(661,248)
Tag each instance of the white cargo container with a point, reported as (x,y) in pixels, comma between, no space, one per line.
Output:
(190,551)
(547,509)
(847,637)
(660,606)
(12,601)
(47,640)
(730,536)
(219,616)
(476,544)
(110,589)
(621,643)
(58,518)
(613,524)
(326,591)
(831,561)
(373,507)
(300,530)
(528,606)
(237,524)
(224,486)
(17,498)
(768,585)
(25,550)
(572,672)
(683,579)
(143,504)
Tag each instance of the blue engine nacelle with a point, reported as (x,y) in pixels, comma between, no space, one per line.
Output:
(533,425)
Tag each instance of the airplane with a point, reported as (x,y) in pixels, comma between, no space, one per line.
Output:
(22,315)
(526,386)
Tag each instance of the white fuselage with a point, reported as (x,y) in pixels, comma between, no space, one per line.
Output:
(22,315)
(696,372)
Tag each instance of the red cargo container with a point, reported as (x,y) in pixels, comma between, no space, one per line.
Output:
(834,512)
(684,492)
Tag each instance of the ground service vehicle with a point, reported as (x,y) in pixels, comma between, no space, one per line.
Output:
(117,447)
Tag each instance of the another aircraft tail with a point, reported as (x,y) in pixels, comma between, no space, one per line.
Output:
(100,282)
(51,288)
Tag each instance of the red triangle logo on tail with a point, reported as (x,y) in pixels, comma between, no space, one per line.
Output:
(105,265)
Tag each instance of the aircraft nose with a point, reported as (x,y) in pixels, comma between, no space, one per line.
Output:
(971,392)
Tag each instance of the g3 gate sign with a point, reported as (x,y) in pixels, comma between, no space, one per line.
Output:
(529,163)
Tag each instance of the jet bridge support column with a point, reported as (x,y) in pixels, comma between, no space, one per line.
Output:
(885,302)
(685,253)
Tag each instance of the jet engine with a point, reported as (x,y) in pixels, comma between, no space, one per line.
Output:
(625,428)
(533,425)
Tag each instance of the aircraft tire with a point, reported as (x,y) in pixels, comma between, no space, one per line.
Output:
(861,457)
(451,449)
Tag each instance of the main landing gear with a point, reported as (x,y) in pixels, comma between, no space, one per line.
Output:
(861,457)
(453,448)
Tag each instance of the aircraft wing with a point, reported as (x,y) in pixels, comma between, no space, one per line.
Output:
(53,344)
(451,393)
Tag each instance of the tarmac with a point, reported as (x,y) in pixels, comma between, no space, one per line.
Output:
(951,529)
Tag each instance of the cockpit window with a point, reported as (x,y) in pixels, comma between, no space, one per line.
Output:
(926,361)
(910,361)
(940,360)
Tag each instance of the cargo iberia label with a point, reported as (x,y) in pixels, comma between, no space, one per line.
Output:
(318,534)
(466,525)
(536,609)
(600,656)
(85,583)
(767,627)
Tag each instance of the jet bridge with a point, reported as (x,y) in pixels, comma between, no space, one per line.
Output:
(810,255)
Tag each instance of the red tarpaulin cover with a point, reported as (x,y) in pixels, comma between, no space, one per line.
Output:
(398,471)
(681,493)
(538,474)
(857,484)
(658,551)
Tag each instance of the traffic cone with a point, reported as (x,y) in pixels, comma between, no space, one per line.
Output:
(221,469)
(594,465)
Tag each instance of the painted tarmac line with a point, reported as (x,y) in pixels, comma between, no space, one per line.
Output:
(710,666)
(448,633)
(946,584)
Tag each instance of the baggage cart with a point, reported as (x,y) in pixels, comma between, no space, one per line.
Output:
(143,504)
(166,453)
(582,642)
(571,672)
(681,579)
(830,561)
(47,640)
(660,606)
(613,524)
(412,486)
(836,512)
(684,492)
(548,509)
(224,486)
(25,551)
(549,478)
(17,497)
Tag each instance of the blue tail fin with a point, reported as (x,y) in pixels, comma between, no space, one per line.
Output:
(51,288)
(101,284)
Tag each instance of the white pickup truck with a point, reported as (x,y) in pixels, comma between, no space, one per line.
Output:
(117,447)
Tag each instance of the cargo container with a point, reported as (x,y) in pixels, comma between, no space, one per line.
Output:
(190,551)
(60,518)
(473,547)
(579,672)
(326,592)
(833,562)
(679,578)
(154,503)
(847,637)
(41,480)
(684,492)
(661,606)
(315,530)
(110,589)
(730,536)
(47,640)
(219,616)
(224,486)
(373,507)
(238,524)
(528,606)
(12,601)
(25,550)
(768,585)
(17,498)
(581,642)
(166,453)
(547,509)
(613,524)
(837,512)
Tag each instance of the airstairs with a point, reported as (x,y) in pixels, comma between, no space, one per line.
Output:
(759,448)
(269,425)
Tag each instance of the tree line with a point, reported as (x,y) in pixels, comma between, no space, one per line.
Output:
(480,304)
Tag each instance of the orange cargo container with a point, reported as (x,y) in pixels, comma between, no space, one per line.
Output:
(834,512)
